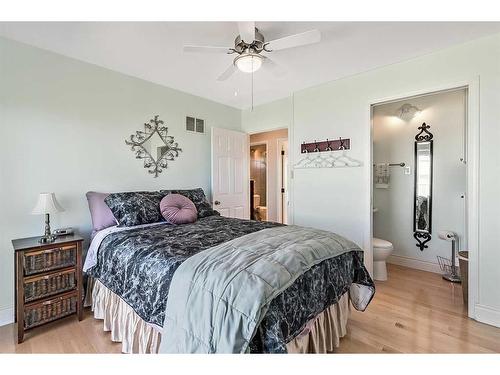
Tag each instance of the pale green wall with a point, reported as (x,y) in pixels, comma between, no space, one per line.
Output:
(63,124)
(271,116)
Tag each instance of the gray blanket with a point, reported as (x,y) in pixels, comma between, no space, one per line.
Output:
(218,298)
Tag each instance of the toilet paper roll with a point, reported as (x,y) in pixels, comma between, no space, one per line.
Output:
(447,235)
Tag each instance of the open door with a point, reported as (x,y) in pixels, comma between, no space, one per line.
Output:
(230,173)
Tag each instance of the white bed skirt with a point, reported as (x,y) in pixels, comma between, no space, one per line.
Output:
(121,320)
(321,335)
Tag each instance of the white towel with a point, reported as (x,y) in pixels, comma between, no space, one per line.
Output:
(382,175)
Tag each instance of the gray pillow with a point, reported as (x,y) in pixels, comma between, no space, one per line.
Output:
(135,208)
(197,196)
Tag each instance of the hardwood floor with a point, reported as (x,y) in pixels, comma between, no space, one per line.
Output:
(412,312)
(417,312)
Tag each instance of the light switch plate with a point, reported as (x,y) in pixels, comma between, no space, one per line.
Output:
(407,170)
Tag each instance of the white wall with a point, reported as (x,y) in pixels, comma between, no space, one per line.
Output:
(63,125)
(393,142)
(266,117)
(339,199)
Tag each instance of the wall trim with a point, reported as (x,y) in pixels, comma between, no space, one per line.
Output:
(6,315)
(414,263)
(487,315)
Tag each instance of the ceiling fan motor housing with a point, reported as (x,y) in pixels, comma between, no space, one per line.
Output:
(256,46)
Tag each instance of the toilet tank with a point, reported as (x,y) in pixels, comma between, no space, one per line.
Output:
(256,200)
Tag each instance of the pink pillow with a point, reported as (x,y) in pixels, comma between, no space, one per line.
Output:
(101,215)
(177,209)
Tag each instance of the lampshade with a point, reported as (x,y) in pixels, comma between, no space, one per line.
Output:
(248,63)
(47,204)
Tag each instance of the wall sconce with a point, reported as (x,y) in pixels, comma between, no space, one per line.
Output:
(407,112)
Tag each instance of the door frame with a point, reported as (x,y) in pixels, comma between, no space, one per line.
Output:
(267,171)
(289,129)
(472,128)
(279,169)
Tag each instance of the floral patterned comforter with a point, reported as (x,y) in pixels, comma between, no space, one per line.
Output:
(138,265)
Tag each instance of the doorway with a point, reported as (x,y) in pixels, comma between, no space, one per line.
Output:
(419,180)
(470,160)
(268,176)
(258,181)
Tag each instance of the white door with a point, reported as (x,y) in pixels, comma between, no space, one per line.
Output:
(230,173)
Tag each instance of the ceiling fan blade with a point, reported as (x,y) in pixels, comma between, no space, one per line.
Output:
(206,49)
(227,73)
(296,40)
(247,31)
(276,69)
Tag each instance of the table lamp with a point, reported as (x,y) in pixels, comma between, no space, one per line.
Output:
(47,204)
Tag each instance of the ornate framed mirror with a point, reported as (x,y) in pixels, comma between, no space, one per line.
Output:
(422,200)
(154,146)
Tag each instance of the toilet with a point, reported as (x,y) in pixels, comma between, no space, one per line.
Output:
(260,211)
(381,251)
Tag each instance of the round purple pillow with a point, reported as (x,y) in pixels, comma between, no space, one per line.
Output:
(177,209)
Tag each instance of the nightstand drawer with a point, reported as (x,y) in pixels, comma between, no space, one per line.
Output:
(39,313)
(49,259)
(36,287)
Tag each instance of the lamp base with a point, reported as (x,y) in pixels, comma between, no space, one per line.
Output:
(47,239)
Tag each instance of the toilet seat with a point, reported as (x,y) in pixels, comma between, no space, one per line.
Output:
(381,244)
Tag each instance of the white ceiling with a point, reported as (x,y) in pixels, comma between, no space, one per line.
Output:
(153,51)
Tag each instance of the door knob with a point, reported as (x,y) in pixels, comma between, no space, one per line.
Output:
(216,203)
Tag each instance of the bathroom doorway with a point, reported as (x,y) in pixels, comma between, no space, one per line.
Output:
(258,181)
(419,182)
(269,176)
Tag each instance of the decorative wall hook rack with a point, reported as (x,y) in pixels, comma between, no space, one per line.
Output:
(331,159)
(328,145)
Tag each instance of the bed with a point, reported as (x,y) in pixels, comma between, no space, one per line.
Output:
(136,272)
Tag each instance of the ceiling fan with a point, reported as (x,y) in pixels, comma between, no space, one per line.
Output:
(249,46)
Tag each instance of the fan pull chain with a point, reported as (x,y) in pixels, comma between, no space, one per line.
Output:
(252,84)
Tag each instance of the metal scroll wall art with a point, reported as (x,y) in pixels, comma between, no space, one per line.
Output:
(422,202)
(154,146)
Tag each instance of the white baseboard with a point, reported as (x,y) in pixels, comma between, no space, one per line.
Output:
(6,315)
(487,315)
(414,263)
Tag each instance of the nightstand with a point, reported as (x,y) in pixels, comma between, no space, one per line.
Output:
(48,281)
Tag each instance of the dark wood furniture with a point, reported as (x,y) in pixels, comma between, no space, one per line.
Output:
(48,281)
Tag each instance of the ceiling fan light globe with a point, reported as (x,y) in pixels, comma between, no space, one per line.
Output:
(248,63)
